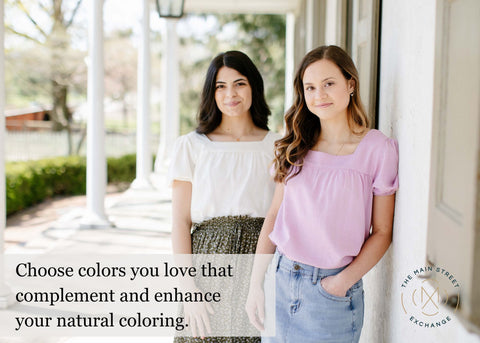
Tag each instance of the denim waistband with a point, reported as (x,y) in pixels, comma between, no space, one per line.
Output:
(306,270)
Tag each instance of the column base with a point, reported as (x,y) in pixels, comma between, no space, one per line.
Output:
(160,182)
(6,297)
(163,159)
(95,221)
(141,184)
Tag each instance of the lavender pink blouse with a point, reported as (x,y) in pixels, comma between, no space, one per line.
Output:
(326,212)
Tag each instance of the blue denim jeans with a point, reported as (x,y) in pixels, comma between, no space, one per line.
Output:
(305,312)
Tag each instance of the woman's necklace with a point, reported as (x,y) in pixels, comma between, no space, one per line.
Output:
(237,138)
(341,147)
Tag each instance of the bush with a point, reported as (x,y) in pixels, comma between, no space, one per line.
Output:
(121,169)
(28,183)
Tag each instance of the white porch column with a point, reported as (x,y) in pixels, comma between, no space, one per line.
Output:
(6,297)
(335,23)
(170,95)
(96,161)
(314,24)
(289,59)
(309,24)
(144,157)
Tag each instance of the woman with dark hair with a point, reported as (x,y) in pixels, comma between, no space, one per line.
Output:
(221,185)
(210,114)
(331,216)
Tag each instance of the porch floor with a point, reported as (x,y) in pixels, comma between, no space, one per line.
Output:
(142,224)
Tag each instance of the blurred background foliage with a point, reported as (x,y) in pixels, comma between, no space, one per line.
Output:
(31,182)
(46,66)
(46,51)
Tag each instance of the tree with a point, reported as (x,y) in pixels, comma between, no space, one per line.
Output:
(50,25)
(120,69)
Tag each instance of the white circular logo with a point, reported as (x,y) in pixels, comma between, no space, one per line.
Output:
(425,291)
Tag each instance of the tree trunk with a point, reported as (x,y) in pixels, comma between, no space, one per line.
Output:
(61,114)
(56,114)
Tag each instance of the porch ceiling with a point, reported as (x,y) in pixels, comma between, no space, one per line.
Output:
(242,6)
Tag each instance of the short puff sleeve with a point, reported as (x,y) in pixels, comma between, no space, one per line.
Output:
(385,180)
(182,163)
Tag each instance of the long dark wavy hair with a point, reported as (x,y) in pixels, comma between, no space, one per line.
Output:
(302,127)
(209,116)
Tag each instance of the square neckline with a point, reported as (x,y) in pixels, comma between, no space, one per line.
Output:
(352,154)
(229,142)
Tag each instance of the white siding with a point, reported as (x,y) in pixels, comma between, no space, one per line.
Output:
(406,105)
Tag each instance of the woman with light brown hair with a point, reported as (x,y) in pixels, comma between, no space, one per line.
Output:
(331,216)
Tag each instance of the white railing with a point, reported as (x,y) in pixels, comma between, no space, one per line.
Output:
(34,145)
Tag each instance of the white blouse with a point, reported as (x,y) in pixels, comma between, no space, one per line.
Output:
(228,178)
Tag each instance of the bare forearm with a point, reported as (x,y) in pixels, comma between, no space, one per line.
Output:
(181,218)
(182,249)
(181,240)
(264,246)
(372,251)
(375,246)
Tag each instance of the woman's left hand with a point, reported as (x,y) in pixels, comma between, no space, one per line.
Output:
(335,286)
(255,306)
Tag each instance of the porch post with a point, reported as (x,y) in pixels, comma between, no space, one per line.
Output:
(289,59)
(144,158)
(315,24)
(96,161)
(6,297)
(170,95)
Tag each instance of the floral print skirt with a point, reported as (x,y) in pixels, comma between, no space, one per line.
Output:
(227,235)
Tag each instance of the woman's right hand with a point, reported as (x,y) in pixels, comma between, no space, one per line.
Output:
(196,314)
(255,306)
(197,318)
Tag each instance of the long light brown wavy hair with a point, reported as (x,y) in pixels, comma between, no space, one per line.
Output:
(302,127)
